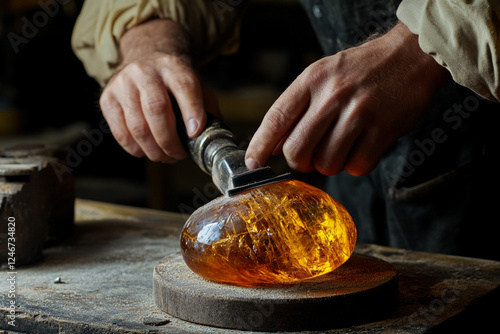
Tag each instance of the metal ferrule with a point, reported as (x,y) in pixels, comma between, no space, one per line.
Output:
(217,154)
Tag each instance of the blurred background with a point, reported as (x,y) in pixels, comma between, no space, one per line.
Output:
(46,97)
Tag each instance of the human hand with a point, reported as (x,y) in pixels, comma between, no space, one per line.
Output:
(344,111)
(136,101)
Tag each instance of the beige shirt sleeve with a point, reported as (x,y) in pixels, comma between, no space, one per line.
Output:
(461,35)
(212,25)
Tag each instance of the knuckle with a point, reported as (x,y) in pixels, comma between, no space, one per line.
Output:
(327,167)
(124,139)
(170,148)
(167,147)
(314,72)
(358,167)
(121,137)
(139,130)
(296,157)
(154,105)
(105,100)
(355,170)
(302,167)
(277,118)
(172,61)
(168,59)
(108,102)
(134,68)
(135,151)
(291,150)
(186,82)
(136,73)
(120,85)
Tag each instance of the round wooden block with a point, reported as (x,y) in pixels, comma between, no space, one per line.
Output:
(362,290)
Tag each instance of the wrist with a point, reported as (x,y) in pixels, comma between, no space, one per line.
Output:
(155,37)
(420,65)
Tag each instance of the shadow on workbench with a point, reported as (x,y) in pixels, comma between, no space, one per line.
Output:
(481,316)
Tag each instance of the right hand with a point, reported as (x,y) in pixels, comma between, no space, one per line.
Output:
(137,106)
(344,111)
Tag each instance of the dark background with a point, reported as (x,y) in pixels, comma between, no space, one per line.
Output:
(46,97)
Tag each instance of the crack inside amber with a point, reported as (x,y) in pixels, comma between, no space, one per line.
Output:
(280,233)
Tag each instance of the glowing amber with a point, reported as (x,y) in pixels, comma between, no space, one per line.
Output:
(280,233)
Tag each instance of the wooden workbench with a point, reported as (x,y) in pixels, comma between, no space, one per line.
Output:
(105,282)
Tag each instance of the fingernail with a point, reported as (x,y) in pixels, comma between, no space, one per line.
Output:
(251,163)
(192,126)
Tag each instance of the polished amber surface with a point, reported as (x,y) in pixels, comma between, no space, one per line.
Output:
(280,233)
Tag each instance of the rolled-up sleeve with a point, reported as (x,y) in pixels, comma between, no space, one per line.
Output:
(213,27)
(461,35)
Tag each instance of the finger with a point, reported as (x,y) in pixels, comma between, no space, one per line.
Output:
(307,135)
(366,153)
(336,146)
(113,114)
(157,109)
(277,122)
(138,126)
(279,147)
(186,88)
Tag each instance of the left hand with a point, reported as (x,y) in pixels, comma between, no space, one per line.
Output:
(344,111)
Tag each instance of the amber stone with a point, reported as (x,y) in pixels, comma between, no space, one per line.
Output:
(280,233)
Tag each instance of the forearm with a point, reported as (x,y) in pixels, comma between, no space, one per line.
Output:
(101,25)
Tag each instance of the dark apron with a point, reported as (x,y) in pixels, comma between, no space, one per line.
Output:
(431,189)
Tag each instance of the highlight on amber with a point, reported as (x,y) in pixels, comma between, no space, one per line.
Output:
(280,233)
